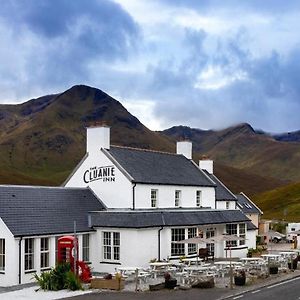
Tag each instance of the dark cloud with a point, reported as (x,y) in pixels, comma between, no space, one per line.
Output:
(266,95)
(58,40)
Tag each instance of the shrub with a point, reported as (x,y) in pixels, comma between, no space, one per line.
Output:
(61,277)
(72,282)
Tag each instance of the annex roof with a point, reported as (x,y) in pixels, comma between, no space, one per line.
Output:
(222,192)
(246,205)
(149,218)
(33,210)
(153,167)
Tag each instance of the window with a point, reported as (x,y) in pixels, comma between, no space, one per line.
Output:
(242,233)
(198,199)
(29,254)
(177,198)
(178,234)
(2,255)
(86,247)
(227,204)
(154,198)
(192,232)
(231,229)
(111,245)
(44,253)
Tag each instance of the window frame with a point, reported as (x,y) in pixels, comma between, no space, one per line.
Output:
(177,198)
(242,233)
(111,241)
(177,234)
(44,253)
(154,198)
(231,229)
(29,255)
(86,247)
(227,204)
(2,255)
(192,232)
(198,198)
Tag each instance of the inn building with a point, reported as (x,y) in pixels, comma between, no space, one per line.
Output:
(130,206)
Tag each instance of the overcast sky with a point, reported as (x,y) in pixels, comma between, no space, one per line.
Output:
(204,64)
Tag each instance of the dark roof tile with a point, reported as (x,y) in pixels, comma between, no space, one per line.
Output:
(28,210)
(144,219)
(155,167)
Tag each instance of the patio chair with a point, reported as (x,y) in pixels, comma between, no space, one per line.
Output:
(205,254)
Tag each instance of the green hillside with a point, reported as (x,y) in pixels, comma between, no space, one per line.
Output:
(282,203)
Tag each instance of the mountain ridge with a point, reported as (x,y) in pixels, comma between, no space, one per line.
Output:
(43,139)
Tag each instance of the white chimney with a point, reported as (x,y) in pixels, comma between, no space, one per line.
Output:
(184,148)
(97,138)
(207,164)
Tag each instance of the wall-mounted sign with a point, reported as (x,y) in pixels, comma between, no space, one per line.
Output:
(104,174)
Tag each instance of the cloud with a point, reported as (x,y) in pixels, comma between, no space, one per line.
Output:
(206,64)
(55,42)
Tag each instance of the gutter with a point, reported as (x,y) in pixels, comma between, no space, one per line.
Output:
(133,196)
(20,255)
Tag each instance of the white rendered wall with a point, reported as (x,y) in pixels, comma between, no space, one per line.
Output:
(222,204)
(114,194)
(10,275)
(139,246)
(251,239)
(166,196)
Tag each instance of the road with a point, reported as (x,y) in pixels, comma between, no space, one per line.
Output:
(287,290)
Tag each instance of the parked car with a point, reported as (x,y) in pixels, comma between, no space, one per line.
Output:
(275,236)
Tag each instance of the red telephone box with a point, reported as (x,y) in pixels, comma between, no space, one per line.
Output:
(65,250)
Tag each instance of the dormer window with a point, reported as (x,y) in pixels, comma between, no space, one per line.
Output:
(177,198)
(154,195)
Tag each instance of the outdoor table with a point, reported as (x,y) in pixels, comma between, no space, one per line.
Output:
(127,271)
(197,269)
(270,256)
(192,260)
(288,253)
(159,266)
(227,263)
(256,262)
(251,259)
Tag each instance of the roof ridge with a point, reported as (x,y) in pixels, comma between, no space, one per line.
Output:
(40,187)
(146,150)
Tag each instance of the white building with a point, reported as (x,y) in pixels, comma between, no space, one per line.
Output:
(132,206)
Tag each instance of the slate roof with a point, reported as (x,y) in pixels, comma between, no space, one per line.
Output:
(149,218)
(251,226)
(222,192)
(246,205)
(154,167)
(28,210)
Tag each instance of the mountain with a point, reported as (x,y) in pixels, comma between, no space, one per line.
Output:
(282,203)
(243,148)
(43,139)
(288,137)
